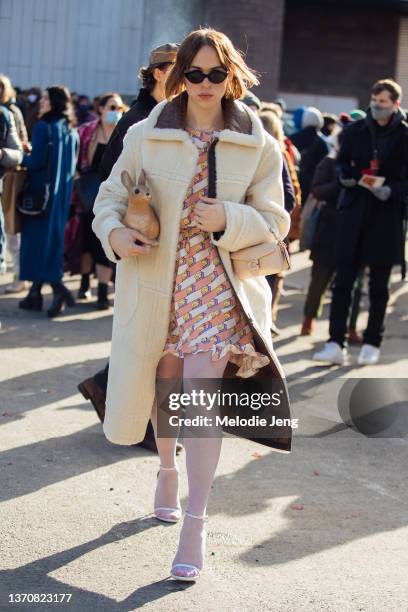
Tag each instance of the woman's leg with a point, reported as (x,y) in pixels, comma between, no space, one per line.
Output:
(169,366)
(202,456)
(276,294)
(321,276)
(104,275)
(86,263)
(166,495)
(33,300)
(13,246)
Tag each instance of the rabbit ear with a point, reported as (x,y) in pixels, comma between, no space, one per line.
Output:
(127,181)
(142,178)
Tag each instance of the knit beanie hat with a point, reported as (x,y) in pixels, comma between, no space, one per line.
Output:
(250,99)
(312,117)
(345,119)
(357,114)
(297,117)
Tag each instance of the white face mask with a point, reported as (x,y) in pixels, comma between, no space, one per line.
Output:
(32,98)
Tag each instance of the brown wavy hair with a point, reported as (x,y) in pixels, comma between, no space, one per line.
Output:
(146,75)
(231,58)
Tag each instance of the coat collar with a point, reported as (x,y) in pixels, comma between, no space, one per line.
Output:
(242,126)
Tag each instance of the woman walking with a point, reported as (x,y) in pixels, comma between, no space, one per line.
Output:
(53,159)
(180,312)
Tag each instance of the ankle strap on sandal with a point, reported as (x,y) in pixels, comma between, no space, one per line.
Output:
(169,469)
(204,517)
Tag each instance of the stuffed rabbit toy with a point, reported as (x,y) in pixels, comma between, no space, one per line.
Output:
(140,214)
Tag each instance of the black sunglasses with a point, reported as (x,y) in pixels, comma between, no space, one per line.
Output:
(214,76)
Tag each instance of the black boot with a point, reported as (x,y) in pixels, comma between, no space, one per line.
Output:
(83,291)
(62,296)
(103,302)
(33,300)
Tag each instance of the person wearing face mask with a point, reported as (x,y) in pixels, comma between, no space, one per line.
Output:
(32,109)
(372,220)
(94,137)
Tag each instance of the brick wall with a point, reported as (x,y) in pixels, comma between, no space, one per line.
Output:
(254,26)
(337,51)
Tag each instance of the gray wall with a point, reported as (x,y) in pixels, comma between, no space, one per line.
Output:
(92,46)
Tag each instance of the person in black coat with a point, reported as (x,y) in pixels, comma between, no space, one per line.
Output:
(371,222)
(153,79)
(326,189)
(310,143)
(152,91)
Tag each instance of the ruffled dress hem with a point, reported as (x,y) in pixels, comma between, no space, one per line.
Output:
(245,356)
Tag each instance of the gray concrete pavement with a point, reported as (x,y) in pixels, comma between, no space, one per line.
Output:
(324,528)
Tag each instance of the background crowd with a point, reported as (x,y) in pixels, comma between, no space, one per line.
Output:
(67,143)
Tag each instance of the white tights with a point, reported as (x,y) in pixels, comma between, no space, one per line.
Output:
(202,455)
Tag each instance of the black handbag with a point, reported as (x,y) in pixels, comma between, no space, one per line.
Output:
(34,201)
(87,187)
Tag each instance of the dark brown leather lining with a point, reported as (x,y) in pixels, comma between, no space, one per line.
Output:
(173,115)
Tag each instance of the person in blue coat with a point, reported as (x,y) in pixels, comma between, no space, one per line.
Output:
(42,236)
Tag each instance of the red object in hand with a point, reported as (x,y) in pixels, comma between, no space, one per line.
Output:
(368,171)
(373,169)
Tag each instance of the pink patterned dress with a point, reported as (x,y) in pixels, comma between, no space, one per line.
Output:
(205,314)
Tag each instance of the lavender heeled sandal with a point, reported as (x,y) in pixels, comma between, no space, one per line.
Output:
(186,572)
(163,513)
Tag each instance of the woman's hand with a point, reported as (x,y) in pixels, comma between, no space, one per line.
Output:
(210,215)
(122,241)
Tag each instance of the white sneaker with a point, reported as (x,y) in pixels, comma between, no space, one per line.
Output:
(369,355)
(331,353)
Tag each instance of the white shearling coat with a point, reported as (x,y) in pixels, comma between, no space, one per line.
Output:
(248,168)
